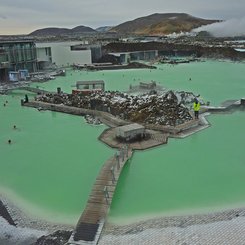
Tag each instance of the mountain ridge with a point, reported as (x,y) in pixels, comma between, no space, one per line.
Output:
(154,24)
(62,31)
(162,24)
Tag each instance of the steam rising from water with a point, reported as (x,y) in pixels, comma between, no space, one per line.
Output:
(228,28)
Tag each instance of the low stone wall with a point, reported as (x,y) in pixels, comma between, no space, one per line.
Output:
(171,129)
(75,111)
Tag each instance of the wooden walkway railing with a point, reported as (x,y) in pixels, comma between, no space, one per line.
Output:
(92,220)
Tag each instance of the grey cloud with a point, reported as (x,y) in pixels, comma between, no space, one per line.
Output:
(3,17)
(95,13)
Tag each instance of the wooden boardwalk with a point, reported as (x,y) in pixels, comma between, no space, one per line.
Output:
(36,90)
(92,220)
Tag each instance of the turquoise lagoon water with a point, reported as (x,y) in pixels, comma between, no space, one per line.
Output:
(51,165)
(214,81)
(203,172)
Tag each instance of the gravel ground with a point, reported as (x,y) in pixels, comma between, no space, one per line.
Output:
(226,227)
(218,228)
(11,235)
(22,219)
(218,233)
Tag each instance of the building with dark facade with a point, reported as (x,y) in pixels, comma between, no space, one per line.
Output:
(127,57)
(15,56)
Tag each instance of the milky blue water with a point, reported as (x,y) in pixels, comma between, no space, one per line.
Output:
(54,158)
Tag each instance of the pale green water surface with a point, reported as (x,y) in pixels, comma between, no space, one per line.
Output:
(214,81)
(205,171)
(52,162)
(51,165)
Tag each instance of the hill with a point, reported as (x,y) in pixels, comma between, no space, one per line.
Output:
(55,31)
(161,24)
(103,29)
(155,24)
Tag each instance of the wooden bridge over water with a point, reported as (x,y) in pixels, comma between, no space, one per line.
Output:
(92,220)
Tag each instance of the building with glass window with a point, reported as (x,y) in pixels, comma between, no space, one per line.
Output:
(127,57)
(15,56)
(24,57)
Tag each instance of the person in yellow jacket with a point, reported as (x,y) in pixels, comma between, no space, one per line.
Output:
(196,108)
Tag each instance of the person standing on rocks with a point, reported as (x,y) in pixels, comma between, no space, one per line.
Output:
(196,108)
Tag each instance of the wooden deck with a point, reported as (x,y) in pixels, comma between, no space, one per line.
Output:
(92,220)
(154,138)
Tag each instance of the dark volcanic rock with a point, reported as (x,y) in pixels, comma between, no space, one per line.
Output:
(163,109)
(172,48)
(57,238)
(5,214)
(139,65)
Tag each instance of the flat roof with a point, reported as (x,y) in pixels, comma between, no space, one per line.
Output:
(130,127)
(90,82)
(16,41)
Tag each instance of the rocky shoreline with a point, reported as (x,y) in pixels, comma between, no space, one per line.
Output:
(22,219)
(54,234)
(45,232)
(174,221)
(216,228)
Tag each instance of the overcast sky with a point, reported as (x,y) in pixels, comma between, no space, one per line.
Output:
(25,16)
